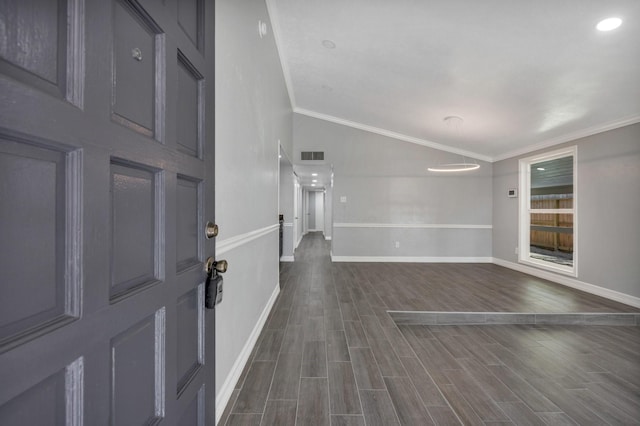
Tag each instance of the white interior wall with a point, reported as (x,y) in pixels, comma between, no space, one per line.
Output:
(387,206)
(319,195)
(253,112)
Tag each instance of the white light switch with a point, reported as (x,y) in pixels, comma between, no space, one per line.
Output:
(343,198)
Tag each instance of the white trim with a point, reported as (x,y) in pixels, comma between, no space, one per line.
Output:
(552,211)
(411,225)
(275,28)
(313,230)
(525,211)
(223,397)
(411,259)
(390,134)
(242,239)
(287,259)
(287,224)
(570,137)
(571,282)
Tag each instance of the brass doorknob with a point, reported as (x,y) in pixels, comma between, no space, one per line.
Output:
(220,266)
(210,230)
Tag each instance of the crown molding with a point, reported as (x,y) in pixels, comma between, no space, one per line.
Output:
(590,131)
(390,134)
(570,137)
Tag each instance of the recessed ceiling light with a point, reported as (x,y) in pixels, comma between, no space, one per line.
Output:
(314,181)
(540,168)
(313,184)
(314,174)
(609,24)
(328,44)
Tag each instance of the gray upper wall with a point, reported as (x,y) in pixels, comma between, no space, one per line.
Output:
(608,216)
(253,113)
(386,182)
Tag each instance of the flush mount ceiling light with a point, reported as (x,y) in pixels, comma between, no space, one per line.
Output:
(454,167)
(314,174)
(609,24)
(328,44)
(455,124)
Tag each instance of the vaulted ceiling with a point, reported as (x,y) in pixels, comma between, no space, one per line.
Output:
(520,73)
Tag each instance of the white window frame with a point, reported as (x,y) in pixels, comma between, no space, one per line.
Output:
(525,211)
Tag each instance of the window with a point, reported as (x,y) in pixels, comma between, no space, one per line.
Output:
(548,207)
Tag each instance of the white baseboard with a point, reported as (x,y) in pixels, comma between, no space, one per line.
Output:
(411,259)
(222,399)
(287,259)
(571,282)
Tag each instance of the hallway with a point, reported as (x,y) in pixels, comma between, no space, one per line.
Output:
(330,354)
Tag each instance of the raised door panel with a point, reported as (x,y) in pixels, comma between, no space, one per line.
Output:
(135,240)
(42,404)
(37,194)
(190,315)
(137,373)
(188,221)
(193,415)
(51,401)
(138,69)
(190,108)
(35,53)
(190,18)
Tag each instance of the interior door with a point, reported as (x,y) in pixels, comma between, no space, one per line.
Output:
(106,182)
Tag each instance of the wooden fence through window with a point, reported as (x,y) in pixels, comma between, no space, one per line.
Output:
(552,240)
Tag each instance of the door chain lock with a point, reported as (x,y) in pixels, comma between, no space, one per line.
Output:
(214,282)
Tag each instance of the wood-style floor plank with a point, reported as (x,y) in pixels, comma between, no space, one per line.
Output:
(378,408)
(340,420)
(343,391)
(255,389)
(406,401)
(366,369)
(313,405)
(330,354)
(314,359)
(280,412)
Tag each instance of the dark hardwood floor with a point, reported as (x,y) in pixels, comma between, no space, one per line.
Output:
(330,354)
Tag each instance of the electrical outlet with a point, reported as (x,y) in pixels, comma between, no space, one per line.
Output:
(397,244)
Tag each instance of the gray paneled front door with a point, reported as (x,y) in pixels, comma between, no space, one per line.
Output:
(106,182)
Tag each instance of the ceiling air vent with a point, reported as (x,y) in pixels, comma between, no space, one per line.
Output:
(312,156)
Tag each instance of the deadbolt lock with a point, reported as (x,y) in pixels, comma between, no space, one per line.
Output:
(210,230)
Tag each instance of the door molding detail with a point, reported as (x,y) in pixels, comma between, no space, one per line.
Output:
(412,225)
(228,244)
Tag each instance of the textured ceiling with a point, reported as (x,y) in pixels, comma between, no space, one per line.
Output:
(522,74)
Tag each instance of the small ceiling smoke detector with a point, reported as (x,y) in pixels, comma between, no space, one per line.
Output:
(328,44)
(262,28)
(609,24)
